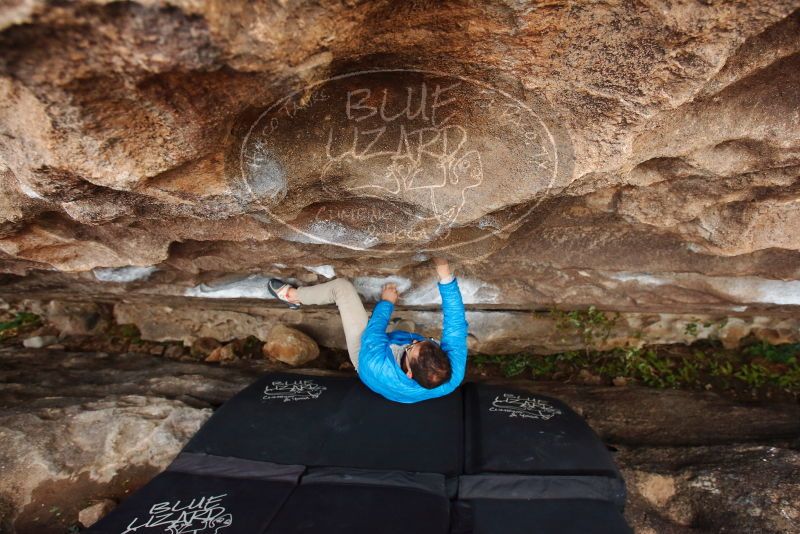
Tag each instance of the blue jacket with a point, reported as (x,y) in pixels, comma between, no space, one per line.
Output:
(378,369)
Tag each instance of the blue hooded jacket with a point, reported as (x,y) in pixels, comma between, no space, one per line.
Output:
(377,367)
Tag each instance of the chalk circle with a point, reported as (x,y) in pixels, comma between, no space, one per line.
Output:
(400,160)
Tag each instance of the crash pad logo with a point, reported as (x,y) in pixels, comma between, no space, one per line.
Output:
(397,159)
(293,390)
(202,515)
(525,407)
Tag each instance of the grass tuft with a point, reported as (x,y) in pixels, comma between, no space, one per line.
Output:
(756,366)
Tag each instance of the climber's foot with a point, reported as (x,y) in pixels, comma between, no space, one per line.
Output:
(283,292)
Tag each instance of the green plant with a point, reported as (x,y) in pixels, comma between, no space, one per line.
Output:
(129,331)
(20,319)
(664,367)
(724,369)
(691,329)
(592,325)
(786,353)
(789,381)
(486,359)
(571,358)
(752,374)
(514,365)
(658,371)
(544,365)
(688,373)
(613,366)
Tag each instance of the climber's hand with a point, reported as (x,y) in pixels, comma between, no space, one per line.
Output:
(442,268)
(389,293)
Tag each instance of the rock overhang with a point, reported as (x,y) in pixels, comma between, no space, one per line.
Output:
(125,126)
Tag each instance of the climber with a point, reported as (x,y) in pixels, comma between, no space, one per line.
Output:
(401,366)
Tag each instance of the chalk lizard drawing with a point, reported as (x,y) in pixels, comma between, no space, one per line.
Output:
(294,390)
(203,515)
(524,407)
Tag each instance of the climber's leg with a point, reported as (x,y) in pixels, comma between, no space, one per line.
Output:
(344,295)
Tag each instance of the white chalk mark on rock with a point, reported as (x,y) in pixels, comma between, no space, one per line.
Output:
(123,274)
(737,289)
(253,286)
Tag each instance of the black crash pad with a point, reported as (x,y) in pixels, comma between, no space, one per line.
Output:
(335,421)
(544,516)
(533,487)
(307,454)
(509,431)
(346,501)
(201,494)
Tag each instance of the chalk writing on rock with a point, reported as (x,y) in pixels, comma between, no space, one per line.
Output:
(397,160)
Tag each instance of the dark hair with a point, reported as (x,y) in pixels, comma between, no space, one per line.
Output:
(431,367)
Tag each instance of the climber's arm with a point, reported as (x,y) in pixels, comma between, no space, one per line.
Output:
(374,338)
(454,327)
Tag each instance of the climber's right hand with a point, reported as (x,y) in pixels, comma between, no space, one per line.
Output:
(389,292)
(442,268)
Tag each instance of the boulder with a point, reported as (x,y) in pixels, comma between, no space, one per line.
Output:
(76,450)
(77,318)
(224,353)
(732,488)
(290,346)
(38,342)
(164,146)
(202,347)
(94,513)
(173,352)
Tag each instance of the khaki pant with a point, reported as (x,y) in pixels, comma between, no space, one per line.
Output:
(354,317)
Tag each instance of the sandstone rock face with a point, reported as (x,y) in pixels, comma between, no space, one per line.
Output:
(490,331)
(636,156)
(714,489)
(61,441)
(75,318)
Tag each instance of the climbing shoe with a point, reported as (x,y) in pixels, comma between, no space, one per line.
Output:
(278,289)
